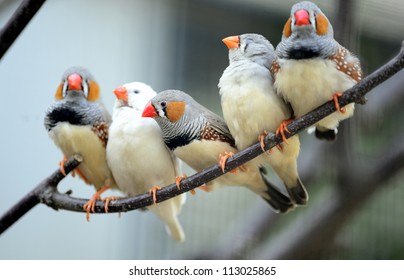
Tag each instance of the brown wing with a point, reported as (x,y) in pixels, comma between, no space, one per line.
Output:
(212,134)
(101,130)
(348,63)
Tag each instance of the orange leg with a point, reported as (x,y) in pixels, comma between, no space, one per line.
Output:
(223,159)
(335,98)
(62,166)
(282,128)
(178,180)
(73,172)
(153,191)
(81,175)
(261,139)
(90,205)
(204,188)
(108,200)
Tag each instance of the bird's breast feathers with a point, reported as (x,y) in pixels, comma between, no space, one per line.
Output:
(78,139)
(308,83)
(200,154)
(251,107)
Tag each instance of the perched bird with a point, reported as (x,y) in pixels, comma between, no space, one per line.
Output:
(198,136)
(138,156)
(313,68)
(251,108)
(78,124)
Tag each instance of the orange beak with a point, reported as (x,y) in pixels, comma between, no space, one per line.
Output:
(302,17)
(121,93)
(74,82)
(232,42)
(149,111)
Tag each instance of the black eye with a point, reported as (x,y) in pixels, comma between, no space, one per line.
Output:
(248,41)
(135,91)
(163,104)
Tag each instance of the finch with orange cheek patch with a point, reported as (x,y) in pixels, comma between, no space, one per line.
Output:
(198,136)
(313,68)
(78,123)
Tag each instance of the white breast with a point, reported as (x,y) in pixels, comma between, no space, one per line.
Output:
(137,155)
(74,139)
(250,104)
(309,83)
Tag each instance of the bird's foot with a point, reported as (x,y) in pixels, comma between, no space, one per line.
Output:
(90,205)
(223,159)
(62,166)
(108,199)
(153,192)
(336,103)
(281,130)
(178,180)
(261,139)
(203,187)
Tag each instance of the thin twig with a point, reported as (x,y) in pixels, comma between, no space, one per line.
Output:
(355,94)
(36,195)
(21,17)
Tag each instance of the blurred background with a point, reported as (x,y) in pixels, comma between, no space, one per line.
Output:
(356,184)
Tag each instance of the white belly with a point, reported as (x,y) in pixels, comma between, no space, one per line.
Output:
(138,157)
(309,83)
(251,108)
(203,154)
(74,139)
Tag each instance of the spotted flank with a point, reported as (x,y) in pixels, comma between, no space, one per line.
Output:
(348,64)
(101,130)
(209,133)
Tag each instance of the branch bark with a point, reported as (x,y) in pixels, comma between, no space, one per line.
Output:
(51,197)
(37,195)
(355,94)
(21,17)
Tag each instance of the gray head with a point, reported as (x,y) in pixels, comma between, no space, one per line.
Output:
(178,115)
(77,100)
(183,120)
(77,82)
(307,33)
(253,47)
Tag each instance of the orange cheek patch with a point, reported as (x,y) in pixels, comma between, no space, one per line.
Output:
(175,110)
(93,92)
(321,25)
(287,29)
(59,94)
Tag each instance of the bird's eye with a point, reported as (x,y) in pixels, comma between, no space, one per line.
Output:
(136,91)
(247,42)
(163,104)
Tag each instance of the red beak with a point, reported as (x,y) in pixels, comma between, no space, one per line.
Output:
(149,111)
(74,82)
(302,17)
(121,93)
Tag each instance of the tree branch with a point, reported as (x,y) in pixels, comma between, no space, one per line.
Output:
(355,94)
(51,197)
(16,24)
(37,194)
